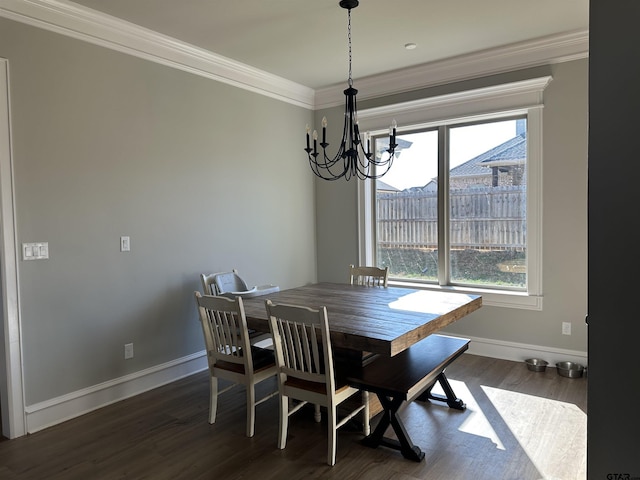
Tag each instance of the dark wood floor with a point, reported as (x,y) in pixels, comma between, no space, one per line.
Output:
(518,425)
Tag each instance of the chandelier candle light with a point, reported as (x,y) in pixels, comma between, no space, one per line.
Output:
(352,159)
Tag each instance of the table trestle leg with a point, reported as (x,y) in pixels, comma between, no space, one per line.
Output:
(449,396)
(390,417)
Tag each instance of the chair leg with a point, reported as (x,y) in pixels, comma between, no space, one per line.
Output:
(213,398)
(366,427)
(332,422)
(251,409)
(284,422)
(316,413)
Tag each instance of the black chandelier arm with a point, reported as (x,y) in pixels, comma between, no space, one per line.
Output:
(348,163)
(325,166)
(354,157)
(323,169)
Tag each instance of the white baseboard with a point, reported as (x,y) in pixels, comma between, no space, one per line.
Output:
(518,352)
(57,410)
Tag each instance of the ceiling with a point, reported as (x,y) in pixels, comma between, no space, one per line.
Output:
(305,41)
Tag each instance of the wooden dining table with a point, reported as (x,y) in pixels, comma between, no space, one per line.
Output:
(382,321)
(367,322)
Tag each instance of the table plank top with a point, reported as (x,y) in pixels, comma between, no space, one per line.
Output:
(378,320)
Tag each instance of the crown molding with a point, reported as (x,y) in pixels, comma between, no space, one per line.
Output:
(542,51)
(85,24)
(88,25)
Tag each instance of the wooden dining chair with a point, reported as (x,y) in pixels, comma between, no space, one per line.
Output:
(306,373)
(230,355)
(210,286)
(368,276)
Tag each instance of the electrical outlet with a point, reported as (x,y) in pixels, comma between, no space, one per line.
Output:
(125,244)
(566,328)
(128,351)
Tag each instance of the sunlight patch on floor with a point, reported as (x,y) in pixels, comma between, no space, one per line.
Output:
(476,423)
(553,434)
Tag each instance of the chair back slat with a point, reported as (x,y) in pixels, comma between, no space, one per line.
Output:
(302,338)
(228,333)
(300,347)
(224,326)
(368,276)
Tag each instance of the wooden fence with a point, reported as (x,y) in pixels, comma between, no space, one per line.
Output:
(482,218)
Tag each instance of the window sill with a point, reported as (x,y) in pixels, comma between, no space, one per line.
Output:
(494,298)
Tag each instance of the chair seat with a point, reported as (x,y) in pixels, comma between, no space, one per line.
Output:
(306,385)
(262,358)
(317,387)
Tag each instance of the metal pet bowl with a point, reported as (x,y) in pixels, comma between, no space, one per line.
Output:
(536,364)
(570,369)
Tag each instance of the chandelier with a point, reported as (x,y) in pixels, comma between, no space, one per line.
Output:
(354,157)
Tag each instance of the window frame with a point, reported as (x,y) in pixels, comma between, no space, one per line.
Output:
(494,102)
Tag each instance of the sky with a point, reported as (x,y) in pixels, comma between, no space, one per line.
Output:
(417,165)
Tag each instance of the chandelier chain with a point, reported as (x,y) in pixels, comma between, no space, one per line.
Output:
(349,36)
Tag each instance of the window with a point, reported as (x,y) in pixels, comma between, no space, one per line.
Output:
(460,208)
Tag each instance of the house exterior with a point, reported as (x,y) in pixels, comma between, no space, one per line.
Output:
(501,166)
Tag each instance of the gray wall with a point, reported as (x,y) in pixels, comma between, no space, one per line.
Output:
(565,129)
(202,176)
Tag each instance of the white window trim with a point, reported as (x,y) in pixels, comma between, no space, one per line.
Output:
(524,97)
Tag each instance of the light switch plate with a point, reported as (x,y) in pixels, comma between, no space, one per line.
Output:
(35,251)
